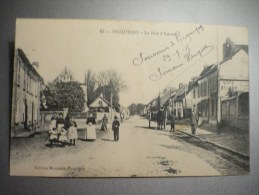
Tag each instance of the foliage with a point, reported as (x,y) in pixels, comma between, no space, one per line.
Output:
(136,109)
(61,95)
(110,83)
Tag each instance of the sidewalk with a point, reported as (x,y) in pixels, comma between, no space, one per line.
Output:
(235,142)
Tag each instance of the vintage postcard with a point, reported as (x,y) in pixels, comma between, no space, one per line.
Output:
(104,98)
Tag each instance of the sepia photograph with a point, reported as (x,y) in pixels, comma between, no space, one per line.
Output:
(114,98)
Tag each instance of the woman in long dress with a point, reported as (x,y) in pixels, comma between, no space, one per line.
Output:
(90,131)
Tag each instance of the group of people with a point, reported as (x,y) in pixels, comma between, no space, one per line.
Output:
(161,124)
(61,130)
(64,131)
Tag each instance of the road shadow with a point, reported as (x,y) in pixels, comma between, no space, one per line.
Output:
(145,127)
(86,140)
(109,140)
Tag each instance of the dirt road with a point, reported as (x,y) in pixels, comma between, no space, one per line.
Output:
(140,152)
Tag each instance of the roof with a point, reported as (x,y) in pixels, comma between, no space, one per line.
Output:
(26,61)
(102,98)
(244,48)
(206,70)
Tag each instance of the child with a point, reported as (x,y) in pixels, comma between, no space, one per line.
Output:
(62,137)
(53,136)
(115,128)
(72,133)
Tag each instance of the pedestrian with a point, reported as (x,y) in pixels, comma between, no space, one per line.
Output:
(159,119)
(172,121)
(72,133)
(116,128)
(104,123)
(68,122)
(193,123)
(60,122)
(90,132)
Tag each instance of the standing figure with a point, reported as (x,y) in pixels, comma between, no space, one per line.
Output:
(104,123)
(90,132)
(72,133)
(193,123)
(68,122)
(53,122)
(60,122)
(159,118)
(172,121)
(116,128)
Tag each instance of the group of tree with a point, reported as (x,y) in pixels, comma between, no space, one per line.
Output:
(136,109)
(109,83)
(61,95)
(65,93)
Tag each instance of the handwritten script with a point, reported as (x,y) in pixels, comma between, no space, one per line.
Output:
(178,52)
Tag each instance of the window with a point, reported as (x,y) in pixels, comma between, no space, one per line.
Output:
(18,72)
(212,107)
(205,88)
(24,82)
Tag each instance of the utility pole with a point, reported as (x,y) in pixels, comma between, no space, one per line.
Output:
(111,105)
(185,103)
(218,95)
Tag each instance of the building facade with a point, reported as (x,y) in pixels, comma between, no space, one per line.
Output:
(27,84)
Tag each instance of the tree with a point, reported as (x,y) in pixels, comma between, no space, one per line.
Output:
(110,83)
(90,82)
(61,95)
(136,109)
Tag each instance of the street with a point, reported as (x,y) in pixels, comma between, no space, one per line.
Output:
(140,152)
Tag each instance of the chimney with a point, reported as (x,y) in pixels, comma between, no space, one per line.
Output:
(35,65)
(227,48)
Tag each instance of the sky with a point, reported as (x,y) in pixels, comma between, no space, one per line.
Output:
(149,56)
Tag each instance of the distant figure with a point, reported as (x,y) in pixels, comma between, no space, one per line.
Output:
(72,133)
(172,121)
(193,123)
(115,128)
(159,119)
(104,123)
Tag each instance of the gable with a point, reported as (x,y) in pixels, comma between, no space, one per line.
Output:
(99,102)
(235,68)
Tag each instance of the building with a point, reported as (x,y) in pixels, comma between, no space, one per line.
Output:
(65,76)
(100,106)
(27,84)
(234,90)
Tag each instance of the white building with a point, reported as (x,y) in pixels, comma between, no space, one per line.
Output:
(27,84)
